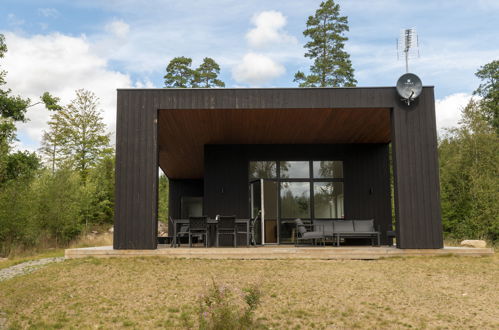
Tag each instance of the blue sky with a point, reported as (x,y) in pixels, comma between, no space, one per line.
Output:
(102,45)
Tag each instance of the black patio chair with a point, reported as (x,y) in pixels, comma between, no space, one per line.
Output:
(226,225)
(250,236)
(302,233)
(198,226)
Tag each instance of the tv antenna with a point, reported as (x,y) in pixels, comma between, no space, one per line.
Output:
(408,46)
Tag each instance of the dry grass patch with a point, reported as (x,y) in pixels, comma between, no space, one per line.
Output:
(154,292)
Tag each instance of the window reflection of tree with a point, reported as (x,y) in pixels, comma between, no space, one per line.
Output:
(294,204)
(284,167)
(326,196)
(263,169)
(330,169)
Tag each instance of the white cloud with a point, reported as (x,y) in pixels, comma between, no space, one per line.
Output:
(58,64)
(268,30)
(256,69)
(448,110)
(48,12)
(118,28)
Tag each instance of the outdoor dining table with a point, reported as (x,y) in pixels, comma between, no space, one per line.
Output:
(176,222)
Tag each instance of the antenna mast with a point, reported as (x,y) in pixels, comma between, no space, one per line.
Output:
(408,44)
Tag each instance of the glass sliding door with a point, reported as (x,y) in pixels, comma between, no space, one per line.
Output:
(269,211)
(290,189)
(256,207)
(263,197)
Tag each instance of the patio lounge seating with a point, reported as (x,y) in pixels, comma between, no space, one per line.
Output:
(356,229)
(302,233)
(226,225)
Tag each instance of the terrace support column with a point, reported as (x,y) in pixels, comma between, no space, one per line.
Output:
(136,198)
(416,173)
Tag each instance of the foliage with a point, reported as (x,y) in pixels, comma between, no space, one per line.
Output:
(59,201)
(100,187)
(469,168)
(19,165)
(51,102)
(332,66)
(47,207)
(207,73)
(222,308)
(76,136)
(180,75)
(489,91)
(163,192)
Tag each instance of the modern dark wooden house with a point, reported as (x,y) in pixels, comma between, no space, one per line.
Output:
(312,153)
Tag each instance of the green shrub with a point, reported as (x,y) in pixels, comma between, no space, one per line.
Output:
(223,308)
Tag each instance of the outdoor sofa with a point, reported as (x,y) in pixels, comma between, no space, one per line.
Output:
(336,229)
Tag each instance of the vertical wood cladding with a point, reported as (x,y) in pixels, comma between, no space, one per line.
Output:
(417,190)
(136,172)
(366,177)
(177,189)
(414,158)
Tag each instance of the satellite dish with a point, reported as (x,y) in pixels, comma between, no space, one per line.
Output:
(409,87)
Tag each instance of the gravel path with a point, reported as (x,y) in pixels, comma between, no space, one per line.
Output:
(26,267)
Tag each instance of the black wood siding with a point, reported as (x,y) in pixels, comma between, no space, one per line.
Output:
(136,172)
(414,154)
(366,177)
(177,189)
(415,159)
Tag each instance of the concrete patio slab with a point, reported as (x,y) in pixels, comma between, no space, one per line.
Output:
(276,252)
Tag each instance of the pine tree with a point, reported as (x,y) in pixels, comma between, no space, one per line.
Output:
(179,73)
(332,66)
(206,75)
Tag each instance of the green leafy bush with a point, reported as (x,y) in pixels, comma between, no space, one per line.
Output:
(223,307)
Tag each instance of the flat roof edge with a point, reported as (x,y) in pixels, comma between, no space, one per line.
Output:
(270,88)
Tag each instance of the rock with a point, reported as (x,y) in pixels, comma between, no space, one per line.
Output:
(111,230)
(95,232)
(162,229)
(476,243)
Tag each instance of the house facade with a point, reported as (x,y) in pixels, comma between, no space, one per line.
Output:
(310,153)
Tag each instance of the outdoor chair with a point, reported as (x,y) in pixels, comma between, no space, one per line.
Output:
(226,225)
(302,233)
(198,226)
(182,232)
(250,235)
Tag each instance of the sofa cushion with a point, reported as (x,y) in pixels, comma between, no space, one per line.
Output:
(312,234)
(364,225)
(325,226)
(343,226)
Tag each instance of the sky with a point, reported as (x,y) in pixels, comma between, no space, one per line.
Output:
(101,45)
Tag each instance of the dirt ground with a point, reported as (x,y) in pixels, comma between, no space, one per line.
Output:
(418,292)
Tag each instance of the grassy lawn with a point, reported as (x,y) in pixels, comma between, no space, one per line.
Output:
(419,292)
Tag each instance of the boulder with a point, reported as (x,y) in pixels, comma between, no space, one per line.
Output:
(476,243)
(111,230)
(162,229)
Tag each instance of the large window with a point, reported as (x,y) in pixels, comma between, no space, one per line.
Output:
(307,189)
(328,200)
(294,170)
(262,170)
(295,199)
